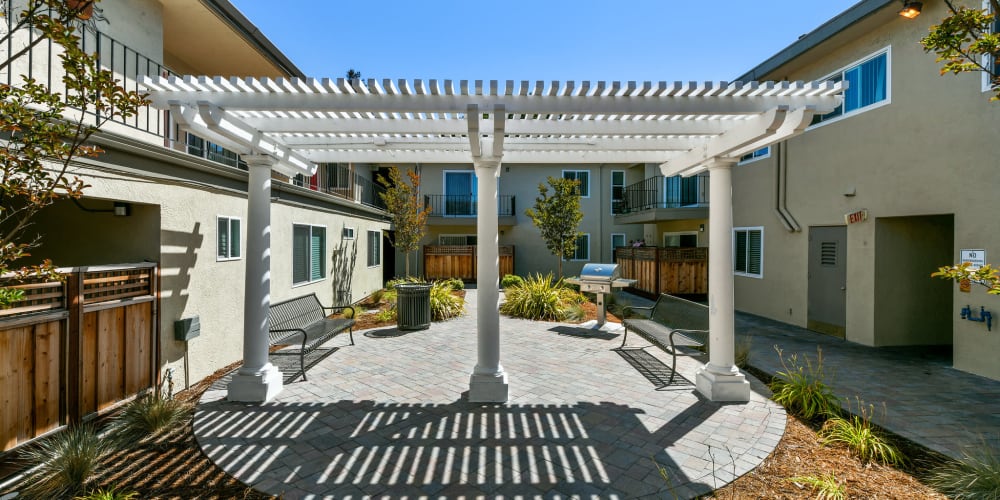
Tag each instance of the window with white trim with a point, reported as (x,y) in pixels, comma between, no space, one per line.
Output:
(617,240)
(308,253)
(582,251)
(580,175)
(617,191)
(992,63)
(868,82)
(348,233)
(760,154)
(748,251)
(374,248)
(227,238)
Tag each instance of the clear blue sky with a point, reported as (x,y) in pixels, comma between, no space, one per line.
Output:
(536,40)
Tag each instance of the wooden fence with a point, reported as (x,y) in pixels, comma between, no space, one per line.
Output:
(673,270)
(73,349)
(459,261)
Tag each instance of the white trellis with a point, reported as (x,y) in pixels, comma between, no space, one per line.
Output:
(290,125)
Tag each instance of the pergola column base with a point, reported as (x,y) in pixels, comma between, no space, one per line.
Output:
(259,387)
(722,387)
(489,388)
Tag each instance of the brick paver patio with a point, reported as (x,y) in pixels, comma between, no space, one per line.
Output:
(387,419)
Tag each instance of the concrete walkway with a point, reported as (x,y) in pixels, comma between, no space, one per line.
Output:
(916,392)
(387,418)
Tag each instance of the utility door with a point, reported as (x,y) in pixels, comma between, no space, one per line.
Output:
(828,280)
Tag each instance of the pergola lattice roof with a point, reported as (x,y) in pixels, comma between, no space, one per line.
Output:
(308,121)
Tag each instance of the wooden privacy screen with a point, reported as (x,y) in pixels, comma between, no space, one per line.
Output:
(459,261)
(76,348)
(673,270)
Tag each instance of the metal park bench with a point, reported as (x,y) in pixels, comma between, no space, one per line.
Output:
(670,324)
(304,321)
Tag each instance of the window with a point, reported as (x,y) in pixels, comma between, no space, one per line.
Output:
(457,239)
(228,238)
(374,248)
(308,253)
(682,191)
(991,62)
(580,175)
(617,191)
(868,85)
(200,147)
(763,152)
(460,189)
(348,233)
(687,239)
(617,240)
(748,251)
(582,251)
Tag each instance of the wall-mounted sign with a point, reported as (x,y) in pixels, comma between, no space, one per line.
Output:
(855,217)
(975,257)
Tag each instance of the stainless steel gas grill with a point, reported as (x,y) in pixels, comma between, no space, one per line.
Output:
(600,279)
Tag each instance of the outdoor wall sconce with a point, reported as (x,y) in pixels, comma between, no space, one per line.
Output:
(701,228)
(911,9)
(122,209)
(984,316)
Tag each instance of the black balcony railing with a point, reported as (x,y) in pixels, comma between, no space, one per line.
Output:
(663,192)
(370,192)
(448,205)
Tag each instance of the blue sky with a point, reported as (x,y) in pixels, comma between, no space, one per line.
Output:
(536,40)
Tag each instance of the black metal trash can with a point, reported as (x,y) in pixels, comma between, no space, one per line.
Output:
(413,306)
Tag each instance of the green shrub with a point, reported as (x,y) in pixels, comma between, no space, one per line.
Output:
(444,304)
(385,315)
(859,435)
(976,475)
(511,280)
(63,464)
(348,313)
(109,494)
(742,351)
(801,389)
(826,487)
(454,283)
(147,417)
(541,298)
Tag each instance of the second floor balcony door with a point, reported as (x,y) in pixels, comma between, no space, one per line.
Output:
(460,193)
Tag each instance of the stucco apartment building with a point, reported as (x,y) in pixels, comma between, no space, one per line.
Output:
(842,225)
(183,201)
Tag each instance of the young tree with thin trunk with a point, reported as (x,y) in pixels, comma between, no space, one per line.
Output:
(409,213)
(43,131)
(557,216)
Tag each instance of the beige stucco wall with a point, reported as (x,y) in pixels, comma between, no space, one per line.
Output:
(931,149)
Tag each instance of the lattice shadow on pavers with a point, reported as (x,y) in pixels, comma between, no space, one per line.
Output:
(287,362)
(655,371)
(420,449)
(583,333)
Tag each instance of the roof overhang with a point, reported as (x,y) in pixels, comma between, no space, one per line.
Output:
(680,126)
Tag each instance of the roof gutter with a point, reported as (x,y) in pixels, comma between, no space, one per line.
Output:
(817,36)
(231,15)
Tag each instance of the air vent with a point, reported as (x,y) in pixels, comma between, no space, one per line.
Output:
(828,253)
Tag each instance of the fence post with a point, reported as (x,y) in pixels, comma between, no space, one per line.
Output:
(656,262)
(74,329)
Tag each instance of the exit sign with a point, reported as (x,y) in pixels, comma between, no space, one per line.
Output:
(855,217)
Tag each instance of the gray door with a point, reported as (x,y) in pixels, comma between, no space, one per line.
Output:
(828,280)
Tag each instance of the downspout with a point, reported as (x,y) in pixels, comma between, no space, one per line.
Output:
(781,189)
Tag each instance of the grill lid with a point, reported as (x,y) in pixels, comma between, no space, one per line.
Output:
(599,272)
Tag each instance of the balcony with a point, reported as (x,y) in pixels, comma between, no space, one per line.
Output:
(344,182)
(461,210)
(662,198)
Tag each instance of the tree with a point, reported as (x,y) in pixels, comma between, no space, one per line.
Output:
(409,214)
(968,41)
(558,216)
(46,130)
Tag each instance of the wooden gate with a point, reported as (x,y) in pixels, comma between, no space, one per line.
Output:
(459,261)
(71,350)
(673,270)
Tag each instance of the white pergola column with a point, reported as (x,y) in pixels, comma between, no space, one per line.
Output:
(257,380)
(720,379)
(488,383)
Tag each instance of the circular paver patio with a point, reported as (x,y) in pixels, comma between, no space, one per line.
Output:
(386,418)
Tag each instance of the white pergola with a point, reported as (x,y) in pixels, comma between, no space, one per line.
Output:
(290,125)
